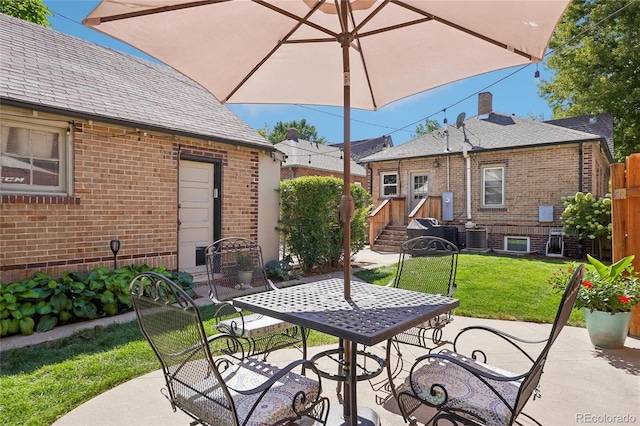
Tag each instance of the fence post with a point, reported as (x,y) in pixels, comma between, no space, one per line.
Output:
(625,218)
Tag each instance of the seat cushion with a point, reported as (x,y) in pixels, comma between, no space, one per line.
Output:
(254,325)
(275,406)
(466,392)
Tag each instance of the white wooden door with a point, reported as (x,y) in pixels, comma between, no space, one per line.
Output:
(196,210)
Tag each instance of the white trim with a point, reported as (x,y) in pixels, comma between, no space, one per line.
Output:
(519,237)
(502,187)
(65,158)
(382,185)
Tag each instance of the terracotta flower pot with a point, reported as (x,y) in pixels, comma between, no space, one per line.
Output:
(606,330)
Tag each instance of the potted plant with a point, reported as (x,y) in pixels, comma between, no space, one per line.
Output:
(606,297)
(244,267)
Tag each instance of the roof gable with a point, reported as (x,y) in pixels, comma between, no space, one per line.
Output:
(44,68)
(365,147)
(316,156)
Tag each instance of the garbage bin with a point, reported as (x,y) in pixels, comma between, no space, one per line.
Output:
(429,226)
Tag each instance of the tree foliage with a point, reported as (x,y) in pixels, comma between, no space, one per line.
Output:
(30,10)
(429,126)
(596,64)
(278,133)
(309,219)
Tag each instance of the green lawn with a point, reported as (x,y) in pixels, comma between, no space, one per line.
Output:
(42,383)
(500,287)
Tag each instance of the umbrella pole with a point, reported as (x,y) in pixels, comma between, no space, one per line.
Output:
(346,209)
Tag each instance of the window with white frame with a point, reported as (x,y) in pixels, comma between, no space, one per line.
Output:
(34,158)
(493,186)
(521,244)
(389,184)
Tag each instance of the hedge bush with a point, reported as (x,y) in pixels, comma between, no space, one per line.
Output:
(40,303)
(309,219)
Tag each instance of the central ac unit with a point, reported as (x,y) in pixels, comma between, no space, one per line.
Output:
(477,239)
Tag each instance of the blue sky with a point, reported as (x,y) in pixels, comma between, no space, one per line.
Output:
(513,94)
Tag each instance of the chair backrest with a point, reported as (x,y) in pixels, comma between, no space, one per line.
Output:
(530,382)
(171,323)
(235,268)
(427,264)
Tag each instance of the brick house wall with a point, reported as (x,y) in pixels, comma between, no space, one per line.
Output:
(534,176)
(126,188)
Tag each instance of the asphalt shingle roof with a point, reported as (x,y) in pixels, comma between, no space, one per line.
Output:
(365,147)
(600,124)
(323,157)
(43,67)
(497,131)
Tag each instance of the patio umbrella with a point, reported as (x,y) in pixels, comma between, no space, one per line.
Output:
(351,53)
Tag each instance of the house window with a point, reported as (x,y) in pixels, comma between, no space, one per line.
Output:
(389,187)
(520,244)
(493,186)
(33,158)
(420,187)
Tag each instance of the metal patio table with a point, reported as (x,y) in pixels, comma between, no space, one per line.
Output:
(372,315)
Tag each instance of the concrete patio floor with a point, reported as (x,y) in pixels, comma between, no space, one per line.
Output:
(581,384)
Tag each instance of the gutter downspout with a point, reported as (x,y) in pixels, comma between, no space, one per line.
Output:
(580,153)
(447,150)
(465,154)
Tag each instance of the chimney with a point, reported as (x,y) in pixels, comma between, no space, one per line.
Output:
(292,134)
(485,100)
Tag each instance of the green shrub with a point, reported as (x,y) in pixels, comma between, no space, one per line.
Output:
(280,270)
(309,219)
(588,217)
(40,303)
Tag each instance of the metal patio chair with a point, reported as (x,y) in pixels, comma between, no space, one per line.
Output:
(235,268)
(427,264)
(202,379)
(466,390)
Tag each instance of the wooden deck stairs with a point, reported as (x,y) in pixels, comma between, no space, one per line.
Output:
(391,238)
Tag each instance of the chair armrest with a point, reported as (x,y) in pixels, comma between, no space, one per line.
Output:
(454,287)
(391,282)
(272,285)
(308,365)
(465,366)
(231,345)
(512,340)
(437,388)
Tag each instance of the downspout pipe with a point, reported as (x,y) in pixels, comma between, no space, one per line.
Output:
(465,154)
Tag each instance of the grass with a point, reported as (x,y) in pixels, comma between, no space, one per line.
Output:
(42,383)
(499,287)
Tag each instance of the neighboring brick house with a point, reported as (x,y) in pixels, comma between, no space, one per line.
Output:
(508,180)
(304,158)
(99,145)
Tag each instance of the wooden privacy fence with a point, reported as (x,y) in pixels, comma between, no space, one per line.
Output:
(625,217)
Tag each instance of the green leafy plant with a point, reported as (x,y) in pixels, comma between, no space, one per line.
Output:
(614,288)
(310,222)
(586,216)
(280,270)
(40,303)
(244,261)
